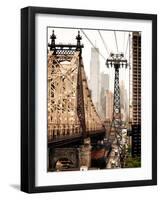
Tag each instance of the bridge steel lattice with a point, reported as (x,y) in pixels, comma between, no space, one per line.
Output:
(71,112)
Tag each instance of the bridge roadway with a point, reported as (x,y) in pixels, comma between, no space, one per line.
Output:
(69,140)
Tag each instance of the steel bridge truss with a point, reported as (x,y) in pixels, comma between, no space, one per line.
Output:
(71,112)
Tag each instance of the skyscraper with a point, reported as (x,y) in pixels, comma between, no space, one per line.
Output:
(136,98)
(109,105)
(94,76)
(104,81)
(104,87)
(123,100)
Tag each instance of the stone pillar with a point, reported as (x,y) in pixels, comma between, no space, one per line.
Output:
(85,154)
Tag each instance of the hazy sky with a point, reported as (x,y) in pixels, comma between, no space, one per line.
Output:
(66,35)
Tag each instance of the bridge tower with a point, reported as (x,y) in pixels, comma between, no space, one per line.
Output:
(117,61)
(65,52)
(80,95)
(72,118)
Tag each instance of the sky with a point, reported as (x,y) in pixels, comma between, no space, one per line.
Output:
(111,38)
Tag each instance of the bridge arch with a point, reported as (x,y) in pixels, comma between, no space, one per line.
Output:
(66,156)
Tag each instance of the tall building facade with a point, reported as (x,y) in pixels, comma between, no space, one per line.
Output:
(109,105)
(104,81)
(136,97)
(123,100)
(104,87)
(95,76)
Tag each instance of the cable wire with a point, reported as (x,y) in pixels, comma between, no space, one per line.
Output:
(93,44)
(116,41)
(104,43)
(127,44)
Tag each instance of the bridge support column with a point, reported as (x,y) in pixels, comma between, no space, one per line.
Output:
(85,154)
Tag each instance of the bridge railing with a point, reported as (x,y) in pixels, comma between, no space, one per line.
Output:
(56,137)
(63,130)
(62,137)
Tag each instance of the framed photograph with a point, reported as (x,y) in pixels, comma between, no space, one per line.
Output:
(88,99)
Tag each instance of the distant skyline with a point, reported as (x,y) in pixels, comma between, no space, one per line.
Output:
(66,35)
